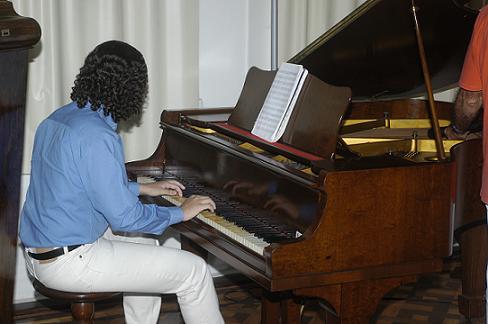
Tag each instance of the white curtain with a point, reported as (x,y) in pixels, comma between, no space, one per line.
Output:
(165,31)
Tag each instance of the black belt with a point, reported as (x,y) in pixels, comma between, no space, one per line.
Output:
(52,254)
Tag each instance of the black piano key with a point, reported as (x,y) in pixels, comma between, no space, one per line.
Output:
(253,220)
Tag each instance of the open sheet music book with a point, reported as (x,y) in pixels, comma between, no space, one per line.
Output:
(280,101)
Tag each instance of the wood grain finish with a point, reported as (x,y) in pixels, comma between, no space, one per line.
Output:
(13,65)
(368,228)
(19,33)
(82,304)
(327,102)
(16,31)
(380,226)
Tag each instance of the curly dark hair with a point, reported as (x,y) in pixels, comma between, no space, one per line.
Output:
(114,77)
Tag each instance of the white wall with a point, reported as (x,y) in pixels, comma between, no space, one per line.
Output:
(233,36)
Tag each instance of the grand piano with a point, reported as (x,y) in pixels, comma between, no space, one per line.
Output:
(355,199)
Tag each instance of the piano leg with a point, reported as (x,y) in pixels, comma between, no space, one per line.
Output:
(474,256)
(279,308)
(354,302)
(290,311)
(270,309)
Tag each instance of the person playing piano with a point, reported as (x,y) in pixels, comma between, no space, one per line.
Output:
(79,201)
(473,92)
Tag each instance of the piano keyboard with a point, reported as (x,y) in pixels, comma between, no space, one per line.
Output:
(249,226)
(225,227)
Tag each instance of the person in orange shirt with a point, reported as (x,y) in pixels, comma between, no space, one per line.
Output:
(473,91)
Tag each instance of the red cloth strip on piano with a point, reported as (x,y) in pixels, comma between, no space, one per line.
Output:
(283,147)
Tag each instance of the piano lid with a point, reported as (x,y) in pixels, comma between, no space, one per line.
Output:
(374,49)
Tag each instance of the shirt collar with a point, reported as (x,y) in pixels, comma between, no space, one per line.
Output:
(108,119)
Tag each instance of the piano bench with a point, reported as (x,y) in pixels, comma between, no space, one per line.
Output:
(82,304)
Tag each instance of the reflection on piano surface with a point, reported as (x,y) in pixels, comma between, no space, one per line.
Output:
(352,201)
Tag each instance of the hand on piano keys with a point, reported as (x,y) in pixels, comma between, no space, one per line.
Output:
(195,204)
(224,226)
(240,222)
(191,206)
(158,188)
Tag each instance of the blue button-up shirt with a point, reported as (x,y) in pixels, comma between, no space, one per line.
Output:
(79,185)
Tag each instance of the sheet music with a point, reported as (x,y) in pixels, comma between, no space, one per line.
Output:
(280,101)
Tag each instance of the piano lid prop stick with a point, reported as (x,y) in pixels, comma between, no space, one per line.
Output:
(425,69)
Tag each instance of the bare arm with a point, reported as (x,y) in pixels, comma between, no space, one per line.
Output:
(466,108)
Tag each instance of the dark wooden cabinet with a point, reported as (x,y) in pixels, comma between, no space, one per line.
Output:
(17,35)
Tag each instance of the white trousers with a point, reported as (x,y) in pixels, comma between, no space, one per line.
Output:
(142,270)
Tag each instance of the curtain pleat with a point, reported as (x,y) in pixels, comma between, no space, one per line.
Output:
(166,32)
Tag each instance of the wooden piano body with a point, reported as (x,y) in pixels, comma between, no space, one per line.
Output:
(470,227)
(352,201)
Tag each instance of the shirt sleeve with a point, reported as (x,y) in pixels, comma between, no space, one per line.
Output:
(470,78)
(134,187)
(104,177)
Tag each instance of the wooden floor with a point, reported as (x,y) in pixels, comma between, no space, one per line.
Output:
(433,299)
